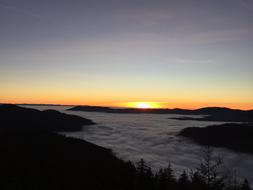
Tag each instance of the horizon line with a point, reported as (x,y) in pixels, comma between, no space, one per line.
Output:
(121,107)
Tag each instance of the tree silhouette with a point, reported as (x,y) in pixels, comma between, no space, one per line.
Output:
(209,170)
(183,181)
(197,181)
(245,185)
(209,175)
(144,176)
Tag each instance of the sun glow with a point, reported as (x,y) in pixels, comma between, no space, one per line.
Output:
(143,105)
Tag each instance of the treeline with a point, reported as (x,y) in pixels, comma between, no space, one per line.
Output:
(209,175)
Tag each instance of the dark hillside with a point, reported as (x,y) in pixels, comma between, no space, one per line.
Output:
(14,116)
(237,137)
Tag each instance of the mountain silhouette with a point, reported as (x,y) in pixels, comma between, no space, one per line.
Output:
(211,113)
(237,137)
(223,115)
(201,111)
(33,159)
(15,117)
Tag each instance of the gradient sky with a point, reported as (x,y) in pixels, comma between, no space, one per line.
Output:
(181,53)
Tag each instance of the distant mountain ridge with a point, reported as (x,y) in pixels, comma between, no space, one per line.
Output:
(201,111)
(211,113)
(223,115)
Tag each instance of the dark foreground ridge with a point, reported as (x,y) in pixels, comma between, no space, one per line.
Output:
(33,159)
(15,116)
(237,137)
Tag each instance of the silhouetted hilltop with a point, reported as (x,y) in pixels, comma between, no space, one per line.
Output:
(15,117)
(33,159)
(92,109)
(237,137)
(217,110)
(202,111)
(223,115)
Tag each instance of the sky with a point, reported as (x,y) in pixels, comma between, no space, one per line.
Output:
(175,53)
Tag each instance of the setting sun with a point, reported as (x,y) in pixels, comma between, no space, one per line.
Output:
(143,105)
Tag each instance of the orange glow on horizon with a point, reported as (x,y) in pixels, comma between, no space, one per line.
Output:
(134,104)
(74,95)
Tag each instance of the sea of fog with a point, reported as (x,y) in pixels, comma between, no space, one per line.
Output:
(152,137)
